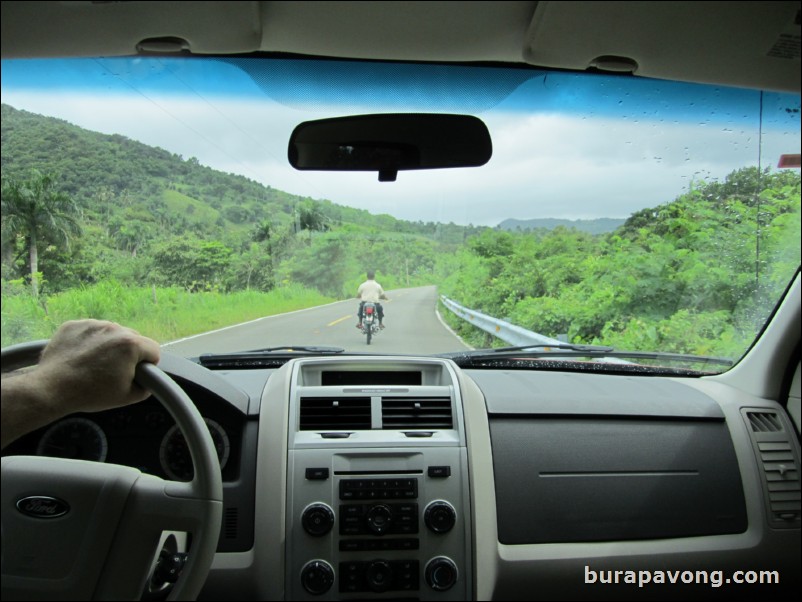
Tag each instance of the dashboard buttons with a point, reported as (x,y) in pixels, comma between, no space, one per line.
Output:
(439,472)
(378,489)
(440,517)
(379,576)
(317,474)
(379,519)
(441,573)
(317,520)
(317,577)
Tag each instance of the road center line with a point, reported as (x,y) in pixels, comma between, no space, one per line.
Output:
(337,321)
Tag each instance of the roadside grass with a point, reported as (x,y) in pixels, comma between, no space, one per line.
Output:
(164,314)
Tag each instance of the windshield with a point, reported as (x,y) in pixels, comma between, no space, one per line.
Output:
(636,214)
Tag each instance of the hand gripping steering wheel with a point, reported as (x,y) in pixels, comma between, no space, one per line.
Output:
(90,530)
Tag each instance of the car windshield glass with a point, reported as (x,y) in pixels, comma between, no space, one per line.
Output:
(637,214)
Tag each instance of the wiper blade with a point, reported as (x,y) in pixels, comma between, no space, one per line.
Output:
(590,351)
(300,349)
(322,349)
(567,346)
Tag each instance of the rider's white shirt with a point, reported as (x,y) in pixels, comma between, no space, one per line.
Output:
(370,291)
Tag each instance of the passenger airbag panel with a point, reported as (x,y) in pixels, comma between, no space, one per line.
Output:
(571,480)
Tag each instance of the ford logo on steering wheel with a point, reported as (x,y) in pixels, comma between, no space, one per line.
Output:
(41,506)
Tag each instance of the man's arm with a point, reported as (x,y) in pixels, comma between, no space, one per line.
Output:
(88,366)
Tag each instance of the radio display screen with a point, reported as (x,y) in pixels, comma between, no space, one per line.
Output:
(377,377)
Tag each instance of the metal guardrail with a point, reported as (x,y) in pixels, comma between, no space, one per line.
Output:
(509,333)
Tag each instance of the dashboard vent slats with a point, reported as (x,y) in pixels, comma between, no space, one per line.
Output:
(231,523)
(764,422)
(328,413)
(779,467)
(417,413)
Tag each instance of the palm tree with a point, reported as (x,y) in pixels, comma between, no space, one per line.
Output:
(38,212)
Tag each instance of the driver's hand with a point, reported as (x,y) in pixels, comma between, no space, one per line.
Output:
(88,366)
(91,364)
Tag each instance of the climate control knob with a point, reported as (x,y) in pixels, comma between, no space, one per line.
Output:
(317,577)
(440,517)
(317,519)
(441,573)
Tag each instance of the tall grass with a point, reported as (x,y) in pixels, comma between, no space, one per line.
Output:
(164,314)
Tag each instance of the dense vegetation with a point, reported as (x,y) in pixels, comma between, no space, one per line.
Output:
(159,231)
(685,276)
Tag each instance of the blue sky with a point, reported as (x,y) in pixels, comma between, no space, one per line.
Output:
(564,145)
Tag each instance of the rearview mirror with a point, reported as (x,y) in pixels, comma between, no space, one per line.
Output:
(389,143)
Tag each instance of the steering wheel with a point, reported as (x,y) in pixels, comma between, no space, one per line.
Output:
(82,530)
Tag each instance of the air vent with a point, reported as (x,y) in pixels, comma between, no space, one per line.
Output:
(765,422)
(777,458)
(230,523)
(416,413)
(329,413)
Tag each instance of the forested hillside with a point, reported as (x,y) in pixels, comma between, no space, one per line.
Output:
(697,275)
(601,225)
(126,230)
(151,217)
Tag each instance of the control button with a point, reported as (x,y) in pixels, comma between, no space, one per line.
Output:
(350,510)
(406,575)
(317,474)
(440,517)
(379,519)
(352,577)
(441,574)
(439,472)
(379,576)
(352,545)
(317,520)
(317,577)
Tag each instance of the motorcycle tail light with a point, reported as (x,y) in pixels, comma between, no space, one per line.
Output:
(369,310)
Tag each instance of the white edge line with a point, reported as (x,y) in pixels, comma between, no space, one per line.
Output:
(447,327)
(286,313)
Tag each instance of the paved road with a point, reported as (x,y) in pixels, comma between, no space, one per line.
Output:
(412,327)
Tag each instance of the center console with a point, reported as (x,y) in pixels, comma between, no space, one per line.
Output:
(378,502)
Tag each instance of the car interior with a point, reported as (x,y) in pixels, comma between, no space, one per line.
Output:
(354,476)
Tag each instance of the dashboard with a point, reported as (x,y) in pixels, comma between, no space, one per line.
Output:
(410,478)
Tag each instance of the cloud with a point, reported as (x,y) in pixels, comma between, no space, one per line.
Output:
(545,165)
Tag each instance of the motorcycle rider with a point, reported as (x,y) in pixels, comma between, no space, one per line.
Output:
(371,291)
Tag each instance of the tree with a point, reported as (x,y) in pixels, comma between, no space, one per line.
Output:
(193,263)
(37,212)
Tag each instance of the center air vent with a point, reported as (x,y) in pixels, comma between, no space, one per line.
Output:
(329,413)
(416,413)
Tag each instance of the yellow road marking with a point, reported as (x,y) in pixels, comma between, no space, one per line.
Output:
(337,321)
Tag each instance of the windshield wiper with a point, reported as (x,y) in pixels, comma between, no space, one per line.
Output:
(299,349)
(269,357)
(589,351)
(603,348)
(322,349)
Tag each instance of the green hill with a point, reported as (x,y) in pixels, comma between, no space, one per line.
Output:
(600,225)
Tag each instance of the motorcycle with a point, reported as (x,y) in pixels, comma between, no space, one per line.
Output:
(370,320)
